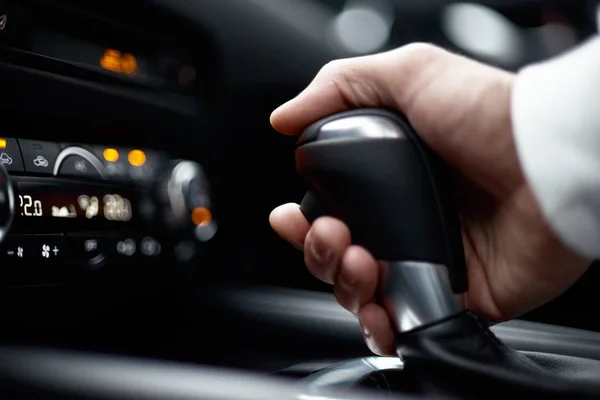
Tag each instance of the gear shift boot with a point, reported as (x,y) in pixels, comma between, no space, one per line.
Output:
(462,357)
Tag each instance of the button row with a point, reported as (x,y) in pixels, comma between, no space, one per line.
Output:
(28,155)
(40,157)
(49,249)
(97,250)
(90,251)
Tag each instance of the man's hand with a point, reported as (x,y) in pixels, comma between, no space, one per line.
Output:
(462,110)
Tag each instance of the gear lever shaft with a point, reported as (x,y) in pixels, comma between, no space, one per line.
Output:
(371,170)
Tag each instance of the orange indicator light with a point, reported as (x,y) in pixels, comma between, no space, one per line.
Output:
(114,61)
(137,158)
(111,60)
(111,155)
(129,64)
(201,216)
(2,143)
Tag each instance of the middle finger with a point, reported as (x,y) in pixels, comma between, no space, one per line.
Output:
(325,244)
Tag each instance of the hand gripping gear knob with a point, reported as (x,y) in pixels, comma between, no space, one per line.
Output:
(370,169)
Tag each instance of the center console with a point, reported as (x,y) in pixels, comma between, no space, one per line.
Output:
(77,212)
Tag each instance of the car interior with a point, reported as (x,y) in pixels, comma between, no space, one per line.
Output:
(139,171)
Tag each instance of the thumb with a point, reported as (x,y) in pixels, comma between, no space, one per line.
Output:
(381,80)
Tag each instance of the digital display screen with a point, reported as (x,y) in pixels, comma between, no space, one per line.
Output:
(74,202)
(75,50)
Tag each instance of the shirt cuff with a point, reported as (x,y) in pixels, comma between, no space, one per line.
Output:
(556,123)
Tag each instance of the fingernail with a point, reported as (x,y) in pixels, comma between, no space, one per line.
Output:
(368,338)
(282,106)
(286,104)
(320,255)
(275,111)
(366,332)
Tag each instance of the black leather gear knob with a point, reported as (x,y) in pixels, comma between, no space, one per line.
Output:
(371,170)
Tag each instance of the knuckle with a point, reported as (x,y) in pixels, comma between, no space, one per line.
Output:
(352,80)
(345,299)
(343,69)
(421,49)
(336,71)
(332,66)
(413,64)
(412,57)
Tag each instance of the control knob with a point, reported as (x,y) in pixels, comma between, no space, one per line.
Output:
(7,203)
(184,193)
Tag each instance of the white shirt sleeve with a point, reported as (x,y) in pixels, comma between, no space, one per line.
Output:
(556,123)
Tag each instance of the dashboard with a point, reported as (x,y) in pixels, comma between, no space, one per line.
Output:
(87,99)
(81,208)
(106,133)
(143,170)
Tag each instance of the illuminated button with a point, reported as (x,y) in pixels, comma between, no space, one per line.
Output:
(50,249)
(117,170)
(17,248)
(39,156)
(135,252)
(16,254)
(10,155)
(111,60)
(148,171)
(114,61)
(2,143)
(150,247)
(94,250)
(111,155)
(122,169)
(75,165)
(129,64)
(126,247)
(201,216)
(136,158)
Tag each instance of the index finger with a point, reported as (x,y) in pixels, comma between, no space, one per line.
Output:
(289,223)
(379,80)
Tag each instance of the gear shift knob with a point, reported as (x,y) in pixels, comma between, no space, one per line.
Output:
(370,169)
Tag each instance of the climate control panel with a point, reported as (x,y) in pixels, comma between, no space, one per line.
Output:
(77,160)
(74,211)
